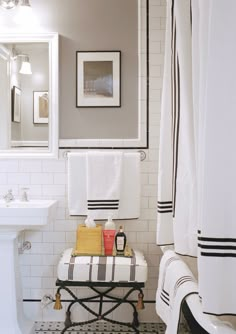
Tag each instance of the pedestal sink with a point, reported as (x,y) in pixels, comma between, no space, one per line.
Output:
(17,216)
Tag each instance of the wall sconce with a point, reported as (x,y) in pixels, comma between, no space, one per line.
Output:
(25,66)
(23,13)
(25,62)
(10,4)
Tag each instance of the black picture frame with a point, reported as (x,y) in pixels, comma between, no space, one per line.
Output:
(98,79)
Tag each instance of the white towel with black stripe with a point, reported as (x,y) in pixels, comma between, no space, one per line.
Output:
(130,189)
(104,170)
(77,181)
(175,283)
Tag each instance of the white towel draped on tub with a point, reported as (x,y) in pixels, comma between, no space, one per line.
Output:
(104,175)
(175,283)
(128,191)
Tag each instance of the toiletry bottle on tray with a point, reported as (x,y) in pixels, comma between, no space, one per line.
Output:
(120,241)
(109,236)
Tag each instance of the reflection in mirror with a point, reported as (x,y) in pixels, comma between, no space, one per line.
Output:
(4,98)
(28,95)
(29,108)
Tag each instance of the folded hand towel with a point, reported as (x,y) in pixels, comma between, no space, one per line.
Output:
(104,175)
(129,206)
(131,187)
(175,283)
(77,178)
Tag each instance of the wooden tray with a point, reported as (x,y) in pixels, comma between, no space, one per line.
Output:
(128,253)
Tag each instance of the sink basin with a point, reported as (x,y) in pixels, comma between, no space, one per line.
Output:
(15,217)
(18,215)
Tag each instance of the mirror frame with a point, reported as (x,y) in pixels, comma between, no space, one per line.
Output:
(142,140)
(53,44)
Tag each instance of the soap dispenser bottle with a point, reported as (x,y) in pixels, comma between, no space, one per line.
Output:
(120,241)
(109,236)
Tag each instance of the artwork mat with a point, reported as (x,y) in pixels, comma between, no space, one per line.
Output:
(36,110)
(96,56)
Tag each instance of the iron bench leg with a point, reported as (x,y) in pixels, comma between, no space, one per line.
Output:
(99,296)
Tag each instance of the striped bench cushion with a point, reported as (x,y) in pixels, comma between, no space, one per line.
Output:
(102,268)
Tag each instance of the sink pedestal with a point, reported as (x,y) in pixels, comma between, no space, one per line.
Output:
(12,319)
(17,216)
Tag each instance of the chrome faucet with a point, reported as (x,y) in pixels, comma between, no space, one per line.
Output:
(9,196)
(24,195)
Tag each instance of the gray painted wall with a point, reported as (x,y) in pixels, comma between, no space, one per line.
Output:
(15,81)
(94,25)
(4,83)
(38,81)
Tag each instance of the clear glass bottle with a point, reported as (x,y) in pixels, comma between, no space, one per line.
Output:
(120,241)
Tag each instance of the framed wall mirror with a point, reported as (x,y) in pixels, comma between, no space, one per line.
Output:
(123,125)
(28,95)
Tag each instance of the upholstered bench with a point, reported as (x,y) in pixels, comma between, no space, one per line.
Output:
(106,272)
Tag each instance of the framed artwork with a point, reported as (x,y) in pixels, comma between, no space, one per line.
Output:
(16,104)
(98,79)
(40,100)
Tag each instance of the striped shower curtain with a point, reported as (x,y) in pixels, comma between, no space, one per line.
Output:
(197,162)
(177,182)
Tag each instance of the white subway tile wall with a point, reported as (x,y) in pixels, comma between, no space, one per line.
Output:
(48,179)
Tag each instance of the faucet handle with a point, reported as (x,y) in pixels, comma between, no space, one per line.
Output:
(24,194)
(9,195)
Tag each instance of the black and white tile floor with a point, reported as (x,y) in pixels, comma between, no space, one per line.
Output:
(102,328)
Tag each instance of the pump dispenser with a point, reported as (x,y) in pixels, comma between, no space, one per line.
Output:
(109,236)
(110,225)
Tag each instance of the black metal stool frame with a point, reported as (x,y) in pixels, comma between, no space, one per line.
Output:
(99,295)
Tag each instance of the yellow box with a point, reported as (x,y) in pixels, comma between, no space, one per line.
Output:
(89,240)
